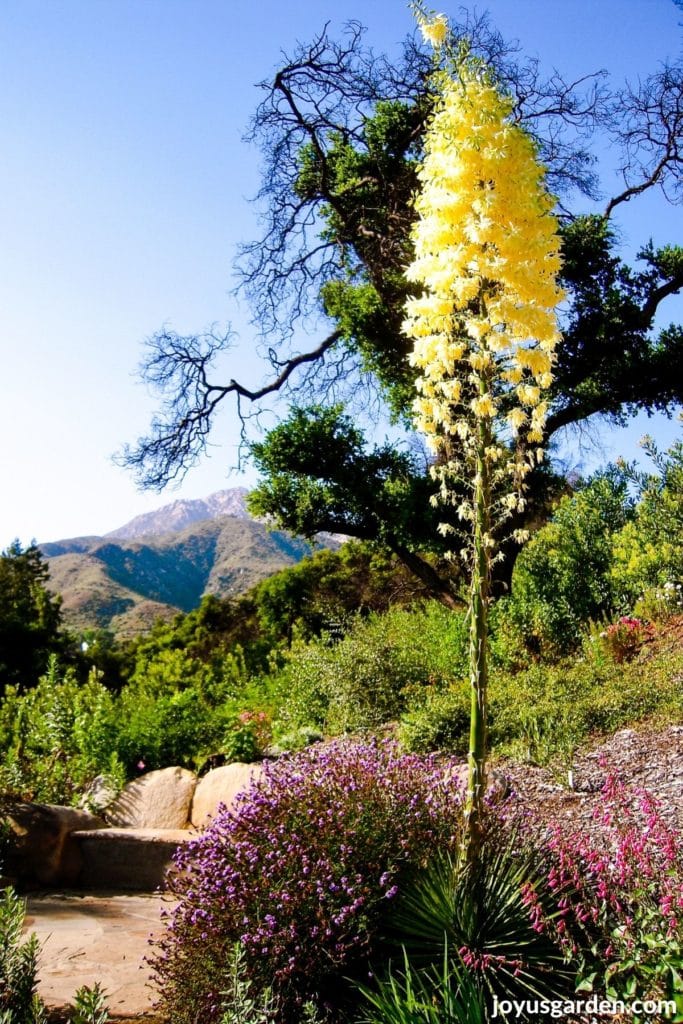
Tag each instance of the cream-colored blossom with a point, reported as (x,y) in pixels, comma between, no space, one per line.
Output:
(517,418)
(483,406)
(435,31)
(487,255)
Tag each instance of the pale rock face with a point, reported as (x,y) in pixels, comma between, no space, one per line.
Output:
(159,799)
(99,795)
(221,786)
(41,847)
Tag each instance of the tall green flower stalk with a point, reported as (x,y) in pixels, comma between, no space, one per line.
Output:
(484,330)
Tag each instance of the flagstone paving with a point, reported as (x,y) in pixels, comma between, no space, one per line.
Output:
(88,938)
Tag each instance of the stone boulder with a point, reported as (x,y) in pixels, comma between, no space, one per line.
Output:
(42,850)
(221,786)
(99,795)
(156,800)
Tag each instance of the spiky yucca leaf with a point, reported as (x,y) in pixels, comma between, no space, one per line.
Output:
(480,913)
(411,996)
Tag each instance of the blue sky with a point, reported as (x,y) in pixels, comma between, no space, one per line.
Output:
(124,187)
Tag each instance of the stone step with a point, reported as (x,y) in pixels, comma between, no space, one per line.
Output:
(126,859)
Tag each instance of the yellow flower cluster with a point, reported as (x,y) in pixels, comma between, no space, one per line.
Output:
(435,31)
(487,255)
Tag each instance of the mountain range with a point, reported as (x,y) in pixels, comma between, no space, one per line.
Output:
(163,562)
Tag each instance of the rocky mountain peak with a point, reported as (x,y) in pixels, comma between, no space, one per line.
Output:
(179,514)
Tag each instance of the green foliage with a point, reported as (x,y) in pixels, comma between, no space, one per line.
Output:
(562,578)
(57,737)
(30,616)
(320,475)
(170,729)
(218,632)
(177,707)
(323,593)
(409,996)
(657,604)
(167,671)
(546,710)
(367,185)
(90,1006)
(648,554)
(247,737)
(370,676)
(290,742)
(481,913)
(239,1006)
(611,361)
(440,723)
(223,643)
(19,1003)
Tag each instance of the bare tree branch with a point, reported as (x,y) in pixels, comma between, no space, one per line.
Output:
(649,129)
(177,367)
(329,231)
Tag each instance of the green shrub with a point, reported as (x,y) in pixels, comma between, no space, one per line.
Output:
(160,672)
(648,554)
(178,710)
(441,722)
(546,711)
(294,740)
(562,578)
(239,1005)
(384,664)
(247,737)
(89,1006)
(175,728)
(658,604)
(19,1003)
(57,737)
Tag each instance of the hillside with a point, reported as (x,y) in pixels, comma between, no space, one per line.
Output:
(163,563)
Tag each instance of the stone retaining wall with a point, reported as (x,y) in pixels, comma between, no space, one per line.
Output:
(131,843)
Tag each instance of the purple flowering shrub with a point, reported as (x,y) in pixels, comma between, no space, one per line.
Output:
(619,891)
(301,874)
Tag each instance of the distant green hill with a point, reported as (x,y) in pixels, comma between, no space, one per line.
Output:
(125,584)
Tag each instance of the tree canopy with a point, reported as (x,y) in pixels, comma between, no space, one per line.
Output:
(341,131)
(30,616)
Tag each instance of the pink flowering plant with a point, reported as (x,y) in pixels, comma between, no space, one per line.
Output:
(620,898)
(301,874)
(248,735)
(624,638)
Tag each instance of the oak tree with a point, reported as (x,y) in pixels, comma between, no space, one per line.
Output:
(342,135)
